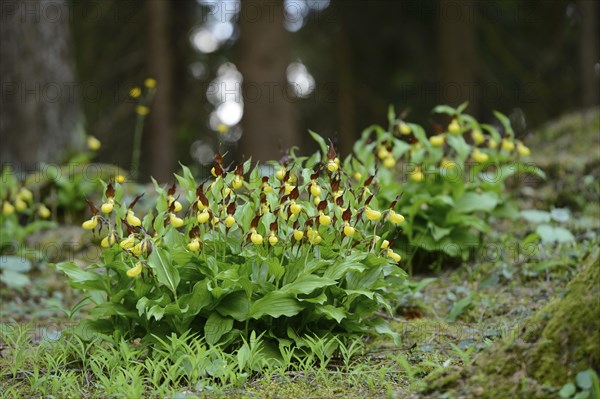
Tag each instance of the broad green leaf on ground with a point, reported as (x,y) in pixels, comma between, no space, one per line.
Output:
(551,234)
(15,263)
(535,216)
(14,279)
(585,379)
(567,391)
(561,215)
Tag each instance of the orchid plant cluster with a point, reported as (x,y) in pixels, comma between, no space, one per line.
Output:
(303,246)
(453,178)
(21,214)
(283,249)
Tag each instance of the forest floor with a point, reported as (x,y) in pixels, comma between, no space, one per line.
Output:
(458,314)
(455,318)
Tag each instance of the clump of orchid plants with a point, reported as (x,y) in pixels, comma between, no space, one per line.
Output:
(280,249)
(453,178)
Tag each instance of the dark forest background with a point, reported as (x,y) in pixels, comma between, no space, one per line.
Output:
(330,66)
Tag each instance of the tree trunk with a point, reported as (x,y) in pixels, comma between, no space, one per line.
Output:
(161,132)
(346,103)
(40,97)
(457,53)
(269,121)
(589,52)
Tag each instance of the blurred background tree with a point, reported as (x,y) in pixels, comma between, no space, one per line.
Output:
(269,118)
(39,109)
(249,77)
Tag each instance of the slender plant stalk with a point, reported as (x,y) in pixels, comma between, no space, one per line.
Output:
(137,147)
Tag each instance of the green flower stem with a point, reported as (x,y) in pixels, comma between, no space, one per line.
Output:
(137,147)
(224,246)
(306,257)
(374,235)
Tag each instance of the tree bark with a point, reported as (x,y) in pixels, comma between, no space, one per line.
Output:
(161,132)
(457,53)
(589,52)
(40,97)
(269,121)
(346,103)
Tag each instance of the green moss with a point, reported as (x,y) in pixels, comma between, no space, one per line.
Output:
(560,340)
(570,342)
(442,378)
(576,131)
(310,386)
